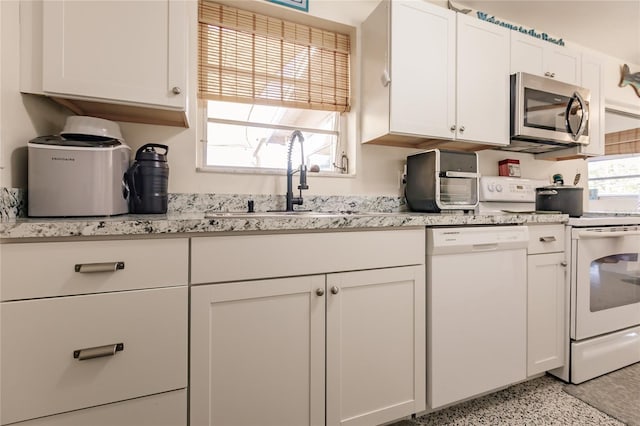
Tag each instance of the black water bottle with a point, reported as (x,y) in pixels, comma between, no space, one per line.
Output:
(148,180)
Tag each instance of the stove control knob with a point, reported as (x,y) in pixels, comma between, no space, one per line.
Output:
(499,188)
(491,187)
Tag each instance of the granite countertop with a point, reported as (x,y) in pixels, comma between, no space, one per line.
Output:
(195,223)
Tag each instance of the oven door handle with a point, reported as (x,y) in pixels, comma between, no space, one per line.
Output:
(612,234)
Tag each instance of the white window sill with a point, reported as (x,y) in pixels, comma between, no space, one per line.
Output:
(267,171)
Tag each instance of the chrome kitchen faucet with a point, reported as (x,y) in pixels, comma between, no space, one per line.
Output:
(291,200)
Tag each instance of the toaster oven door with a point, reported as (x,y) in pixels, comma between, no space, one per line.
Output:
(457,190)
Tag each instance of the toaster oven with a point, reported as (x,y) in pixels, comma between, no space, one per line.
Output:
(441,180)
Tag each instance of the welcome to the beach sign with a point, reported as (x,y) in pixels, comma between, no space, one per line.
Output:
(529,31)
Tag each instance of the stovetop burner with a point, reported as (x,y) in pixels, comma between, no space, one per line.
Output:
(605,219)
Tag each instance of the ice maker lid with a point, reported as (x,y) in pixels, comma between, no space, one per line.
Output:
(85,141)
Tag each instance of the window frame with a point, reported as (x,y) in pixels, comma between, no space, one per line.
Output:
(344,145)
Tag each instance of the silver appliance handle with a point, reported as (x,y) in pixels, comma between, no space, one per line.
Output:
(98,351)
(452,174)
(585,116)
(85,268)
(548,192)
(597,234)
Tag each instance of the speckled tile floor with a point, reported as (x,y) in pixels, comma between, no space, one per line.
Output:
(539,401)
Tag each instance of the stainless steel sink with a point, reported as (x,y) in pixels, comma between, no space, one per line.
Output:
(298,213)
(247,215)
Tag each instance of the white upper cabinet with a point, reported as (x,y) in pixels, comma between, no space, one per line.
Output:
(482,82)
(427,74)
(534,56)
(422,69)
(126,55)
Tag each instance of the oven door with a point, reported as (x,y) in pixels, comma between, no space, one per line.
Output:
(606,296)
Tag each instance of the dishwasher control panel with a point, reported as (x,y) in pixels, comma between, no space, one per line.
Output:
(457,239)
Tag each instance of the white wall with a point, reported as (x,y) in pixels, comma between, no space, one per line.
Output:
(378,167)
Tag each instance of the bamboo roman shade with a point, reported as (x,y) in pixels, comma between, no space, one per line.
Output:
(248,57)
(624,142)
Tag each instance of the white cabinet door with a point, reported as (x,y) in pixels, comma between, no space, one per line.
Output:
(527,55)
(54,350)
(545,312)
(375,345)
(125,52)
(534,56)
(257,353)
(483,91)
(162,409)
(563,63)
(422,98)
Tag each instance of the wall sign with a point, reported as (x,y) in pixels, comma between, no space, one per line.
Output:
(627,78)
(296,4)
(514,27)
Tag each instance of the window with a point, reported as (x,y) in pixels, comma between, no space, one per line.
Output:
(614,180)
(261,78)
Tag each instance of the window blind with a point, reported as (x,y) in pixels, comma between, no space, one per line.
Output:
(253,58)
(624,142)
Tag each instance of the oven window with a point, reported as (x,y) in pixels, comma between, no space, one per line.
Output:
(615,281)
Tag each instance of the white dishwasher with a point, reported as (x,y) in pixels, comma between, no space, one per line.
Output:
(476,311)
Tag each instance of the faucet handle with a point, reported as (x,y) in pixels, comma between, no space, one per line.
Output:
(303,178)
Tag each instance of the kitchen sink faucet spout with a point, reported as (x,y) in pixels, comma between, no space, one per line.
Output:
(291,200)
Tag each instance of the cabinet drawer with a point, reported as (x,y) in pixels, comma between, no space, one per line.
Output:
(164,409)
(235,258)
(31,270)
(40,338)
(546,239)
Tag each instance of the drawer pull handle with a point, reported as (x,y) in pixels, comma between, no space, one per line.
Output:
(85,268)
(98,351)
(547,239)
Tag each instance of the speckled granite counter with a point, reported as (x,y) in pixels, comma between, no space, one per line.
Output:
(193,223)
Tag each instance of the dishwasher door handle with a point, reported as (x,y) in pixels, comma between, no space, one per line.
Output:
(484,247)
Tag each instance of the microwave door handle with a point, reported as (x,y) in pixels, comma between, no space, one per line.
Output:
(585,115)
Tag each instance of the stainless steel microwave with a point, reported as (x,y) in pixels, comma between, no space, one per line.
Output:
(547,114)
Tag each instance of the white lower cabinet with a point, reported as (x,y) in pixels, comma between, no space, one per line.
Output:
(343,348)
(546,299)
(257,352)
(98,336)
(163,409)
(376,333)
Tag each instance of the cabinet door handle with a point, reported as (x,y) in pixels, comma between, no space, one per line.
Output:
(452,128)
(461,129)
(550,74)
(335,290)
(563,263)
(176,90)
(86,268)
(98,351)
(548,239)
(320,292)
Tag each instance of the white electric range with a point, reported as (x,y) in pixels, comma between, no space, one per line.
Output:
(603,257)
